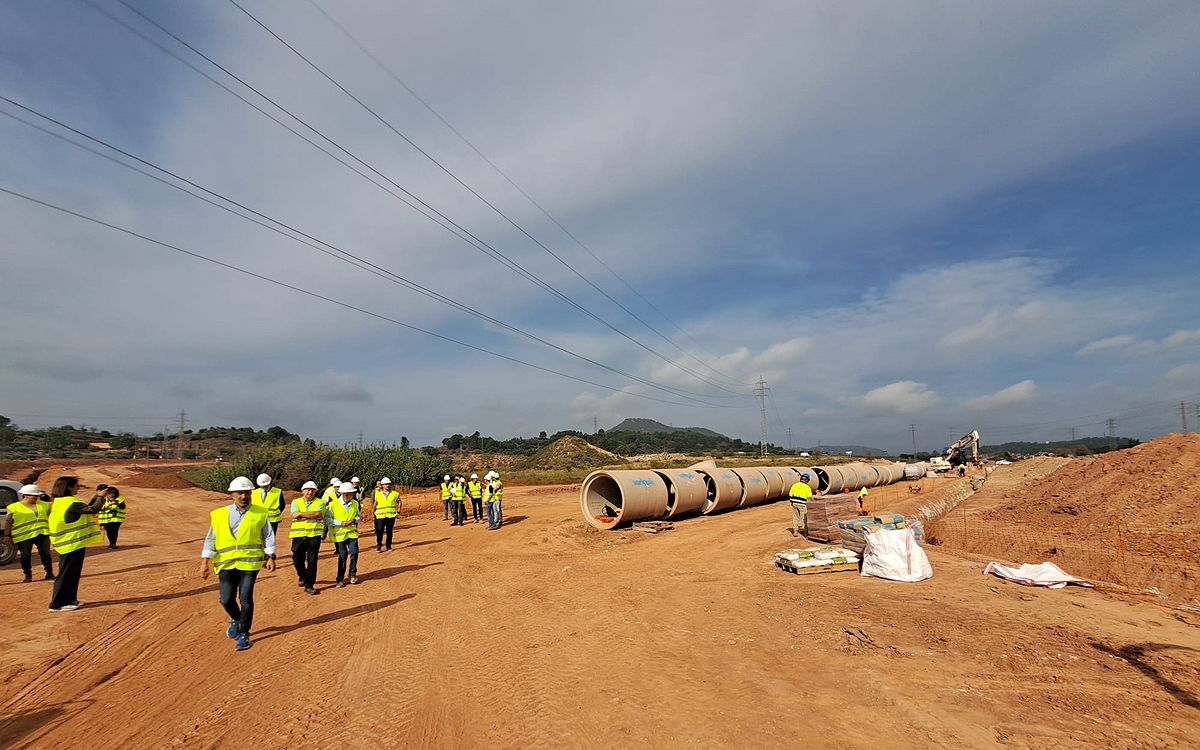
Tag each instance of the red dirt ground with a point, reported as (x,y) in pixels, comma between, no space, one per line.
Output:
(547,634)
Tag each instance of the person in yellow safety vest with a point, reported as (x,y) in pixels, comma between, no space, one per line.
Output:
(862,496)
(330,494)
(112,514)
(308,516)
(475,492)
(240,543)
(342,516)
(269,499)
(28,523)
(458,494)
(799,494)
(387,507)
(446,498)
(493,496)
(72,531)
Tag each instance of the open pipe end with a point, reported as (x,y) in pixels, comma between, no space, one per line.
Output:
(602,502)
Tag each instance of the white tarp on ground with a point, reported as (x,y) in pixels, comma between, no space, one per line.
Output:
(895,555)
(1046,574)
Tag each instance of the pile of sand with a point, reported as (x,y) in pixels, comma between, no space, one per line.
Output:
(568,452)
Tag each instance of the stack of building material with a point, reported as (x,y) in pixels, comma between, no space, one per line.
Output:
(823,559)
(824,513)
(852,533)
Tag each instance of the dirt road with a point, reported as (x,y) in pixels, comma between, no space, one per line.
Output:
(549,634)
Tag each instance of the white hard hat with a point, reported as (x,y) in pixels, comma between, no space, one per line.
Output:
(264,480)
(309,486)
(474,476)
(385,480)
(240,484)
(32,489)
(347,489)
(446,478)
(355,480)
(334,482)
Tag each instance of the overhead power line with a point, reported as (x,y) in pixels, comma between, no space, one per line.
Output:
(403,84)
(474,241)
(339,303)
(386,123)
(308,240)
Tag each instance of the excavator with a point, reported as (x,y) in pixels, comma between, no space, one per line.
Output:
(957,453)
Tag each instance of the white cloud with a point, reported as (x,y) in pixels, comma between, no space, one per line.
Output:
(1186,374)
(1180,338)
(1018,393)
(1107,344)
(902,397)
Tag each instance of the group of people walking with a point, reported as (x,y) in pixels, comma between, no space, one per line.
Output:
(487,494)
(241,538)
(62,522)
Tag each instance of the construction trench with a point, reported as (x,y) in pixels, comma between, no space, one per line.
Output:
(609,499)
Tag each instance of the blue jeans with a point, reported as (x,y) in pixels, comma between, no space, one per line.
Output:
(493,515)
(348,548)
(238,584)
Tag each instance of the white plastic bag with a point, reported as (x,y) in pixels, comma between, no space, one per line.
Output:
(895,555)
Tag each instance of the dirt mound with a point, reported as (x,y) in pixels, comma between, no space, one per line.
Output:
(569,452)
(1129,517)
(163,479)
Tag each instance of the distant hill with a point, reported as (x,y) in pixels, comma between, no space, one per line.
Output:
(857,450)
(1081,447)
(569,452)
(651,425)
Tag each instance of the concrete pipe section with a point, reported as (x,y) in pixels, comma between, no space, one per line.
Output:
(829,480)
(724,490)
(790,477)
(754,487)
(775,488)
(611,498)
(687,492)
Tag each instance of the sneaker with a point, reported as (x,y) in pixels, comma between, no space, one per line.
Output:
(54,609)
(354,579)
(27,579)
(311,590)
(300,582)
(69,607)
(232,630)
(243,642)
(378,550)
(340,585)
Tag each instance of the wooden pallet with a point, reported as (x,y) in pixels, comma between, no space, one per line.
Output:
(834,568)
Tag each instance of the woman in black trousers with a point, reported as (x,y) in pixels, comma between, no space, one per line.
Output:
(71,532)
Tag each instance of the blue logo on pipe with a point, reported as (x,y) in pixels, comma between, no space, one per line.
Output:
(645,482)
(687,475)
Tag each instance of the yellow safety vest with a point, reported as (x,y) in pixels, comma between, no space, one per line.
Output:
(247,550)
(345,515)
(863,492)
(28,522)
(475,490)
(330,494)
(385,503)
(494,492)
(800,492)
(68,537)
(270,501)
(301,528)
(460,493)
(110,513)
(445,490)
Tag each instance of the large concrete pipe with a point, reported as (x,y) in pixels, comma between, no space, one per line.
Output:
(775,488)
(754,487)
(724,490)
(876,478)
(790,477)
(813,481)
(829,480)
(686,491)
(850,477)
(611,498)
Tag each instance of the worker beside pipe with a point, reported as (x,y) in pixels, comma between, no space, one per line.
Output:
(862,497)
(799,495)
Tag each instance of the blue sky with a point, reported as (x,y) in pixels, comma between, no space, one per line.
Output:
(954,216)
